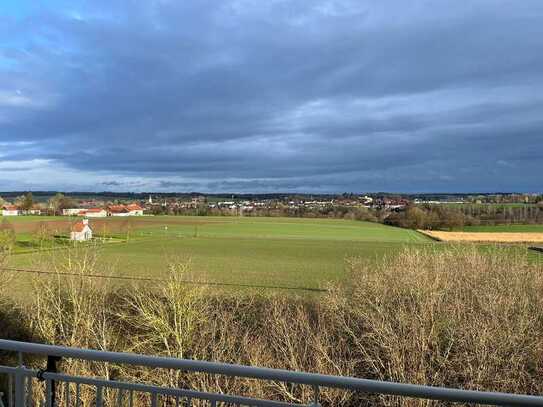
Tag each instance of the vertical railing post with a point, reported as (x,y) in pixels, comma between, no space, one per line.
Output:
(50,385)
(29,398)
(99,396)
(315,397)
(20,384)
(49,401)
(53,368)
(10,390)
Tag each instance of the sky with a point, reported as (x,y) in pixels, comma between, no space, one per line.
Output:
(318,96)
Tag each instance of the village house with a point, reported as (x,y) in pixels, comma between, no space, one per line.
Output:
(10,210)
(112,210)
(118,210)
(125,210)
(93,213)
(35,210)
(72,211)
(81,231)
(134,210)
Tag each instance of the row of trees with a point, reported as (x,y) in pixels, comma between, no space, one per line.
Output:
(504,214)
(435,217)
(41,235)
(24,202)
(44,234)
(54,205)
(59,202)
(506,199)
(446,217)
(329,211)
(414,217)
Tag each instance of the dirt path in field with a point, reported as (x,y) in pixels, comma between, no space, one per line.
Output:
(59,226)
(498,237)
(111,224)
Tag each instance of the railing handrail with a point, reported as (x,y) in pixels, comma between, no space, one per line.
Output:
(312,379)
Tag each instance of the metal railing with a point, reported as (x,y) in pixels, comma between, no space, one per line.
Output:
(22,379)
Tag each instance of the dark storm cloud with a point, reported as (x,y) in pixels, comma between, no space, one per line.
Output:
(112,183)
(248,96)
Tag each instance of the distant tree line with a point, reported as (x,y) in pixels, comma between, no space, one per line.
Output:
(505,214)
(433,217)
(447,217)
(413,217)
(277,210)
(58,203)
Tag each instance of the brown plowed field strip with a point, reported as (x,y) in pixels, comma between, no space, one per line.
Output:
(110,223)
(485,237)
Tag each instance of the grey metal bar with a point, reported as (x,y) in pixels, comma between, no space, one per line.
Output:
(28,401)
(119,399)
(339,382)
(154,397)
(67,394)
(19,389)
(146,388)
(8,370)
(48,393)
(10,389)
(99,396)
(77,395)
(315,396)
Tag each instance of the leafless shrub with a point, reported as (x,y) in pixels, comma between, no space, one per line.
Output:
(71,308)
(457,317)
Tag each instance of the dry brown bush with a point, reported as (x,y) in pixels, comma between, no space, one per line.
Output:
(71,308)
(456,317)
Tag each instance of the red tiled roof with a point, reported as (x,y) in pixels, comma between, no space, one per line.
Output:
(118,209)
(10,208)
(78,227)
(134,207)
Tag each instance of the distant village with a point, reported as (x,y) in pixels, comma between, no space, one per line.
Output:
(199,204)
(414,212)
(132,209)
(195,205)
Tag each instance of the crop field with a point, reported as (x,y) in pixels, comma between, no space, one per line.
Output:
(505,229)
(490,237)
(493,233)
(280,253)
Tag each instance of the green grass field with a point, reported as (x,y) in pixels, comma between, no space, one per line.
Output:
(273,228)
(268,252)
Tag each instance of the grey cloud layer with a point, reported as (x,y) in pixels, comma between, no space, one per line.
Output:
(247,96)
